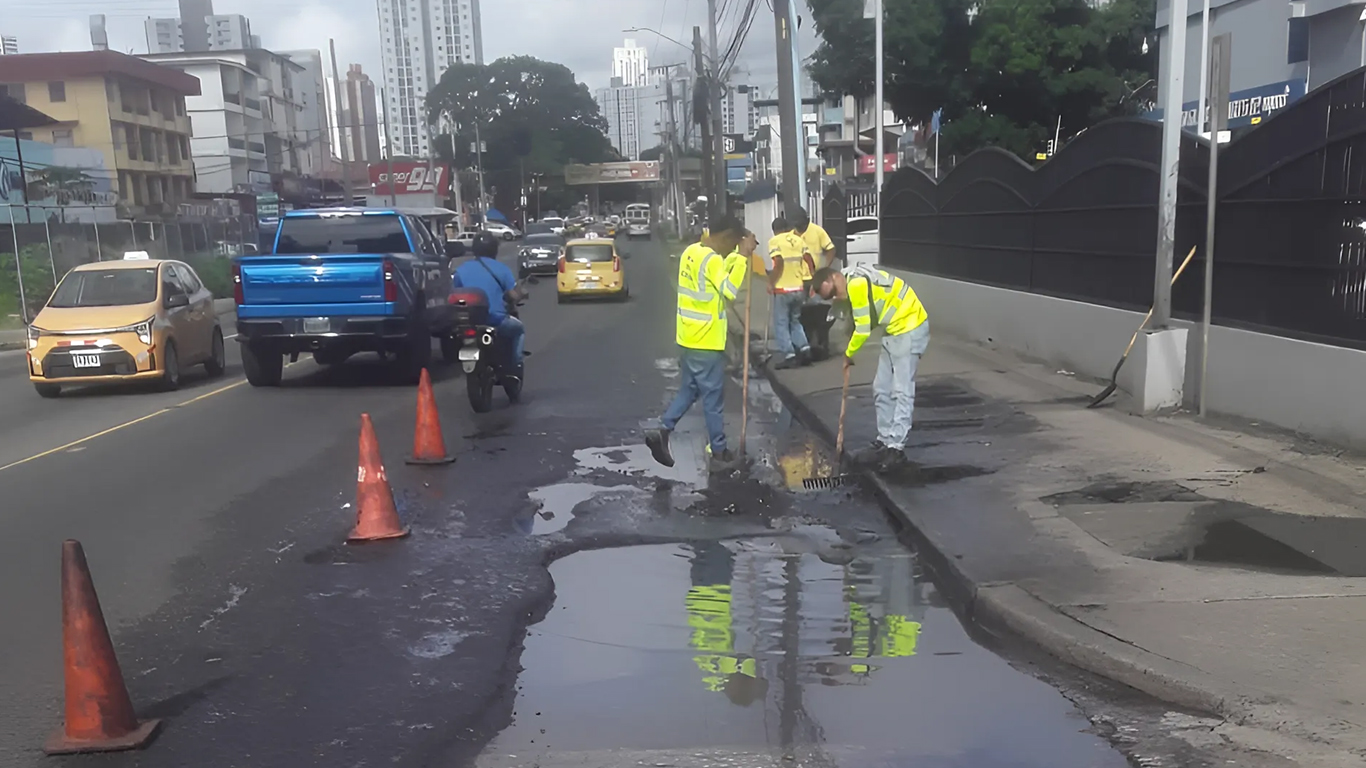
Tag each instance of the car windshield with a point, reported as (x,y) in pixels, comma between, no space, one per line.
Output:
(553,222)
(106,288)
(546,239)
(348,233)
(590,253)
(538,229)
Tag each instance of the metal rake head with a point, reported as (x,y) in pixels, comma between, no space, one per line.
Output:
(835,481)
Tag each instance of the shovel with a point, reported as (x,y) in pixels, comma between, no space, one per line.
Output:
(744,377)
(1114,376)
(834,481)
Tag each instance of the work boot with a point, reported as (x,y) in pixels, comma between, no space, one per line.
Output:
(725,461)
(658,442)
(804,357)
(871,456)
(787,363)
(892,459)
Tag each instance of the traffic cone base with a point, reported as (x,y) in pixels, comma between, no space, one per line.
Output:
(429,446)
(59,744)
(376,514)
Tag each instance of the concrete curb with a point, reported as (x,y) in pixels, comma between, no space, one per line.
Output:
(1007,607)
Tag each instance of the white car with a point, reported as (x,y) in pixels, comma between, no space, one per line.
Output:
(863,243)
(466,238)
(499,229)
(555,223)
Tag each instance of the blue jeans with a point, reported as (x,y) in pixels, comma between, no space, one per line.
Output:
(894,384)
(512,332)
(788,334)
(702,376)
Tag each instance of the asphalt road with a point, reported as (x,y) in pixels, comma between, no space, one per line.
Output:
(213,520)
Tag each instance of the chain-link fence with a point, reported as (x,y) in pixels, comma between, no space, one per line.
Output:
(38,246)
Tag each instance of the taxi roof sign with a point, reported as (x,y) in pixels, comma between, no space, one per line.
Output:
(136,256)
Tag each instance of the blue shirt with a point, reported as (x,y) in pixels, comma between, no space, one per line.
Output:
(494,282)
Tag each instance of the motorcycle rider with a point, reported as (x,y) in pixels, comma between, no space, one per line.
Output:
(485,272)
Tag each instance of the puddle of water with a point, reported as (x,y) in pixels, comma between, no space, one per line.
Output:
(555,505)
(634,460)
(1283,543)
(1125,492)
(759,651)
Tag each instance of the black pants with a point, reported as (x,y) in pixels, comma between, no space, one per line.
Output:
(817,321)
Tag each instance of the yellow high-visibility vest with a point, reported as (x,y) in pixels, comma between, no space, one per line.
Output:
(791,250)
(706,281)
(878,296)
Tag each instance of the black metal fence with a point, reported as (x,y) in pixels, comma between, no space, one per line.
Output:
(1290,254)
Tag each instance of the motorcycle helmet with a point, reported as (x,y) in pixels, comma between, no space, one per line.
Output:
(486,245)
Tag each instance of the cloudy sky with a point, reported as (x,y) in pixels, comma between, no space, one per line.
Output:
(577,33)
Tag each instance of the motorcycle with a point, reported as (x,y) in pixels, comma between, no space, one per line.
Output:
(484,355)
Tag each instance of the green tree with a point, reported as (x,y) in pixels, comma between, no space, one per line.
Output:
(1003,71)
(532,115)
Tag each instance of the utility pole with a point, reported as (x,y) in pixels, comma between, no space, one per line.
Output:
(479,159)
(878,148)
(389,152)
(1217,81)
(336,96)
(789,109)
(1172,118)
(702,108)
(671,148)
(717,93)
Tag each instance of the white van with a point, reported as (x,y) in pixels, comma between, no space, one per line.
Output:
(638,220)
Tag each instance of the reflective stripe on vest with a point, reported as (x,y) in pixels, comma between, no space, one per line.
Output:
(700,293)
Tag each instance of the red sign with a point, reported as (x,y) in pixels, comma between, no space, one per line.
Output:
(410,178)
(866,164)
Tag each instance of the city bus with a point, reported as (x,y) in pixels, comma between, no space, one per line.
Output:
(638,220)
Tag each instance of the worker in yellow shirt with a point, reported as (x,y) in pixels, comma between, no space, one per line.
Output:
(787,278)
(816,316)
(880,299)
(707,280)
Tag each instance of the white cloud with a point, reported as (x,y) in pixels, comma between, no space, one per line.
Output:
(577,33)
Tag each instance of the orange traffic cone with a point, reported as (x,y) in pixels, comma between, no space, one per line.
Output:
(99,714)
(376,516)
(429,447)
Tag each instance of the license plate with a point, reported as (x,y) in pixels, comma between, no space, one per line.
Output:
(317,325)
(469,354)
(588,279)
(85,361)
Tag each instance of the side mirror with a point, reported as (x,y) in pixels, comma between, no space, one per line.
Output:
(454,249)
(177,300)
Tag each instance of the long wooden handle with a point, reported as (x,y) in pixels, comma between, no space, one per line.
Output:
(744,377)
(1149,316)
(844,402)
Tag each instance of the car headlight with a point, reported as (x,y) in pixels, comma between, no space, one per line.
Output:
(143,330)
(33,333)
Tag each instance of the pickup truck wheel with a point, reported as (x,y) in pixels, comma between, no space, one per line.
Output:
(479,385)
(416,354)
(264,366)
(218,357)
(170,368)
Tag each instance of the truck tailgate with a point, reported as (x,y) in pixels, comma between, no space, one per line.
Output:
(298,286)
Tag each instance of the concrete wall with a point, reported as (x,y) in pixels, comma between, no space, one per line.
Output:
(1310,388)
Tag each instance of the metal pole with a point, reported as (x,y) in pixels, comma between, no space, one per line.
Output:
(795,55)
(18,268)
(51,262)
(389,151)
(337,94)
(704,122)
(717,129)
(479,157)
(789,108)
(1203,106)
(1171,161)
(936,151)
(99,255)
(878,148)
(1219,64)
(676,172)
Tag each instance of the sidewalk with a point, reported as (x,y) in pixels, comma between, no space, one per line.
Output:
(1207,564)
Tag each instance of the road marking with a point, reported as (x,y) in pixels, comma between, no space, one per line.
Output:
(126,424)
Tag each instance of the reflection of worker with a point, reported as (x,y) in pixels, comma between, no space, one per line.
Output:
(709,616)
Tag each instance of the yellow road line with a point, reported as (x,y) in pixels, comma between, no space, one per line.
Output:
(116,428)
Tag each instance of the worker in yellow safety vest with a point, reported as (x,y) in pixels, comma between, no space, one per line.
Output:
(707,280)
(880,299)
(792,269)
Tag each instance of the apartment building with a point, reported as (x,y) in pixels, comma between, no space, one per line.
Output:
(420,40)
(314,128)
(131,110)
(246,119)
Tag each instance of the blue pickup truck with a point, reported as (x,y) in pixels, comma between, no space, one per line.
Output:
(341,281)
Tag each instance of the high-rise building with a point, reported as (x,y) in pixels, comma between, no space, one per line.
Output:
(633,114)
(738,112)
(199,29)
(419,40)
(316,140)
(359,116)
(631,63)
(9,46)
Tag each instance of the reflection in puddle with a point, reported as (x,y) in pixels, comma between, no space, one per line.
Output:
(635,460)
(555,505)
(760,651)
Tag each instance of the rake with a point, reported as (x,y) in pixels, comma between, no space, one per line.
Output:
(835,481)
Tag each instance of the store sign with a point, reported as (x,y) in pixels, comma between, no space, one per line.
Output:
(1246,107)
(866,164)
(735,144)
(410,178)
(268,206)
(611,173)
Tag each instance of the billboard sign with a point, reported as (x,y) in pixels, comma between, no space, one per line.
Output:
(867,165)
(409,178)
(611,173)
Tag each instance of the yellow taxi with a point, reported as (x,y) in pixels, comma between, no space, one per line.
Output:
(591,267)
(139,319)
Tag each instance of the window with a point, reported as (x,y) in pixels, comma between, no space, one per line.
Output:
(61,137)
(170,282)
(188,278)
(343,234)
(106,288)
(56,91)
(14,91)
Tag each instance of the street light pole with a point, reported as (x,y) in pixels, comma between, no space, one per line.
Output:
(878,149)
(1172,118)
(717,129)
